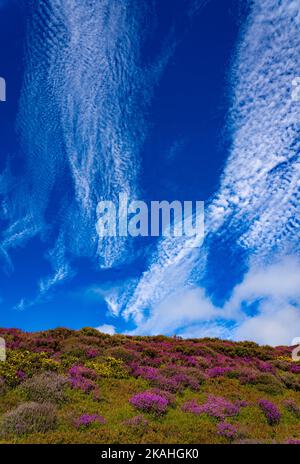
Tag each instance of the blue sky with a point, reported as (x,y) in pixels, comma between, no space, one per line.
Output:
(162,100)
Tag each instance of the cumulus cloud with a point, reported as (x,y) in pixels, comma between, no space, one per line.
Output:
(107,328)
(276,320)
(178,311)
(277,290)
(277,324)
(280,281)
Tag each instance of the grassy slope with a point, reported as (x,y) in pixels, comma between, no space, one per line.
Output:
(251,373)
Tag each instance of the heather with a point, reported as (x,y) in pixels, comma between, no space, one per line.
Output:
(150,402)
(45,387)
(85,420)
(271,412)
(64,386)
(227,430)
(29,418)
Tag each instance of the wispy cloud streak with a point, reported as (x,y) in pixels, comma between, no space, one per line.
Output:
(257,204)
(81,123)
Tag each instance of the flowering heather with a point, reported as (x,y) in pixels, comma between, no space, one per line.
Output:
(192,406)
(29,418)
(217,371)
(165,394)
(185,380)
(191,361)
(137,422)
(247,375)
(82,371)
(149,402)
(45,387)
(291,406)
(80,379)
(87,419)
(215,406)
(270,411)
(21,375)
(80,383)
(146,372)
(265,366)
(170,379)
(228,375)
(291,441)
(171,385)
(92,353)
(224,429)
(219,407)
(295,368)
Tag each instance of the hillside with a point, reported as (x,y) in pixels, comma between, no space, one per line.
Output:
(64,386)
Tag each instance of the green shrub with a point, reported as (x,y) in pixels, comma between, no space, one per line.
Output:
(2,386)
(74,347)
(91,332)
(125,355)
(267,383)
(291,381)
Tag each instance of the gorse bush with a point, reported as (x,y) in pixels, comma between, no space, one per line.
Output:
(109,367)
(25,362)
(29,418)
(48,387)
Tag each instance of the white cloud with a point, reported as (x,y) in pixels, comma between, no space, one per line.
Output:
(114,293)
(208,329)
(279,282)
(277,324)
(82,122)
(277,290)
(106,328)
(274,288)
(257,204)
(183,309)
